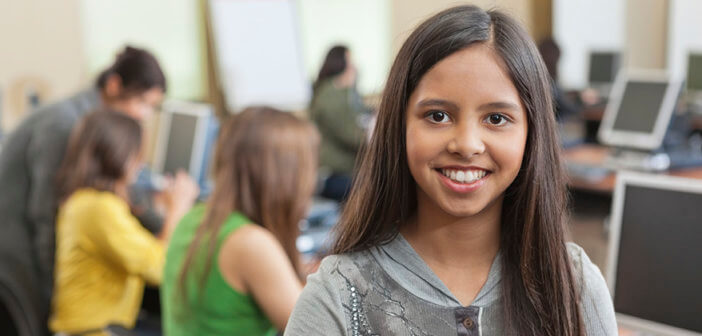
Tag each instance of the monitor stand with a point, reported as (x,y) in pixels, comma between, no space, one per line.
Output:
(632,159)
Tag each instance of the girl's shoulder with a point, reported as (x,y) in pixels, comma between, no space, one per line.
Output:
(595,300)
(97,202)
(339,273)
(331,296)
(336,265)
(584,270)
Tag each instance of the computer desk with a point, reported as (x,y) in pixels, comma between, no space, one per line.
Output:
(595,155)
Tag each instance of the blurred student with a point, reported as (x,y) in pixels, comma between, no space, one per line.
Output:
(31,155)
(232,266)
(103,253)
(551,54)
(338,110)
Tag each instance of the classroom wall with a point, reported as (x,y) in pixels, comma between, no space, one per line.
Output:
(646,33)
(177,39)
(57,47)
(541,19)
(41,48)
(360,24)
(582,26)
(684,34)
(407,14)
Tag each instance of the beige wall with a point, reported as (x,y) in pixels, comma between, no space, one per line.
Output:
(406,14)
(646,24)
(542,19)
(520,9)
(646,33)
(41,45)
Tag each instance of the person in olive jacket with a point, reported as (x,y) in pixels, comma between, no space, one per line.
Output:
(339,113)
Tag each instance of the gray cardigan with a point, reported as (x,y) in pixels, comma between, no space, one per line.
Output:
(29,159)
(389,290)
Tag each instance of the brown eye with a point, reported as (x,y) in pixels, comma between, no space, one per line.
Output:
(438,117)
(496,119)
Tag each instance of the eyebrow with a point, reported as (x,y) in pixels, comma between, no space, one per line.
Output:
(498,105)
(438,102)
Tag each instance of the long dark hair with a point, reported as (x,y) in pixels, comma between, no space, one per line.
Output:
(98,153)
(138,70)
(334,63)
(265,168)
(539,293)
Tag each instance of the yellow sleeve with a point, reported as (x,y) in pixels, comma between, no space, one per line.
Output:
(119,237)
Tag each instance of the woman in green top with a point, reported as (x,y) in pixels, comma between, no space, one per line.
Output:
(232,267)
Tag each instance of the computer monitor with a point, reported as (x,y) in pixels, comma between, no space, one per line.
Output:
(185,141)
(604,66)
(655,253)
(639,110)
(694,72)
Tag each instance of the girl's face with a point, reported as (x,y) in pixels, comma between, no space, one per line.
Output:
(138,106)
(466,133)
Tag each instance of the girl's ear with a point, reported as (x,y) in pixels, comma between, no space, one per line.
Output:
(113,86)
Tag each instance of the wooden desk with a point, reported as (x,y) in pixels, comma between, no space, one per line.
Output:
(595,155)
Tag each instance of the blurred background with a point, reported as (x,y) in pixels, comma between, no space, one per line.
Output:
(220,56)
(51,49)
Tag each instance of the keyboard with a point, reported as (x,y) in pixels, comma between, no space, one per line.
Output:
(674,158)
(590,173)
(635,160)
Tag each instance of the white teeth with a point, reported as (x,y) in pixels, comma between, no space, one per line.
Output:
(460,176)
(464,176)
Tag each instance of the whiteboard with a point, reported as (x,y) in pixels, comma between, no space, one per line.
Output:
(581,26)
(684,34)
(258,54)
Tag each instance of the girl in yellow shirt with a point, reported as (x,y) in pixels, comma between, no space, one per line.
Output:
(103,254)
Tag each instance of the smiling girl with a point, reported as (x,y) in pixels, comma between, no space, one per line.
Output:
(456,222)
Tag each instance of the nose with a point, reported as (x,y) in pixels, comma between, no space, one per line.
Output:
(467,141)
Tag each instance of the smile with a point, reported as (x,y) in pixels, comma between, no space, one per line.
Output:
(464,176)
(463,181)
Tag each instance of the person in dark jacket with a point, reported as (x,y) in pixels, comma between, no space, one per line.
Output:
(551,53)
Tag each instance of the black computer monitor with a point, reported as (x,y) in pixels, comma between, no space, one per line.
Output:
(186,136)
(604,66)
(694,72)
(639,110)
(655,253)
